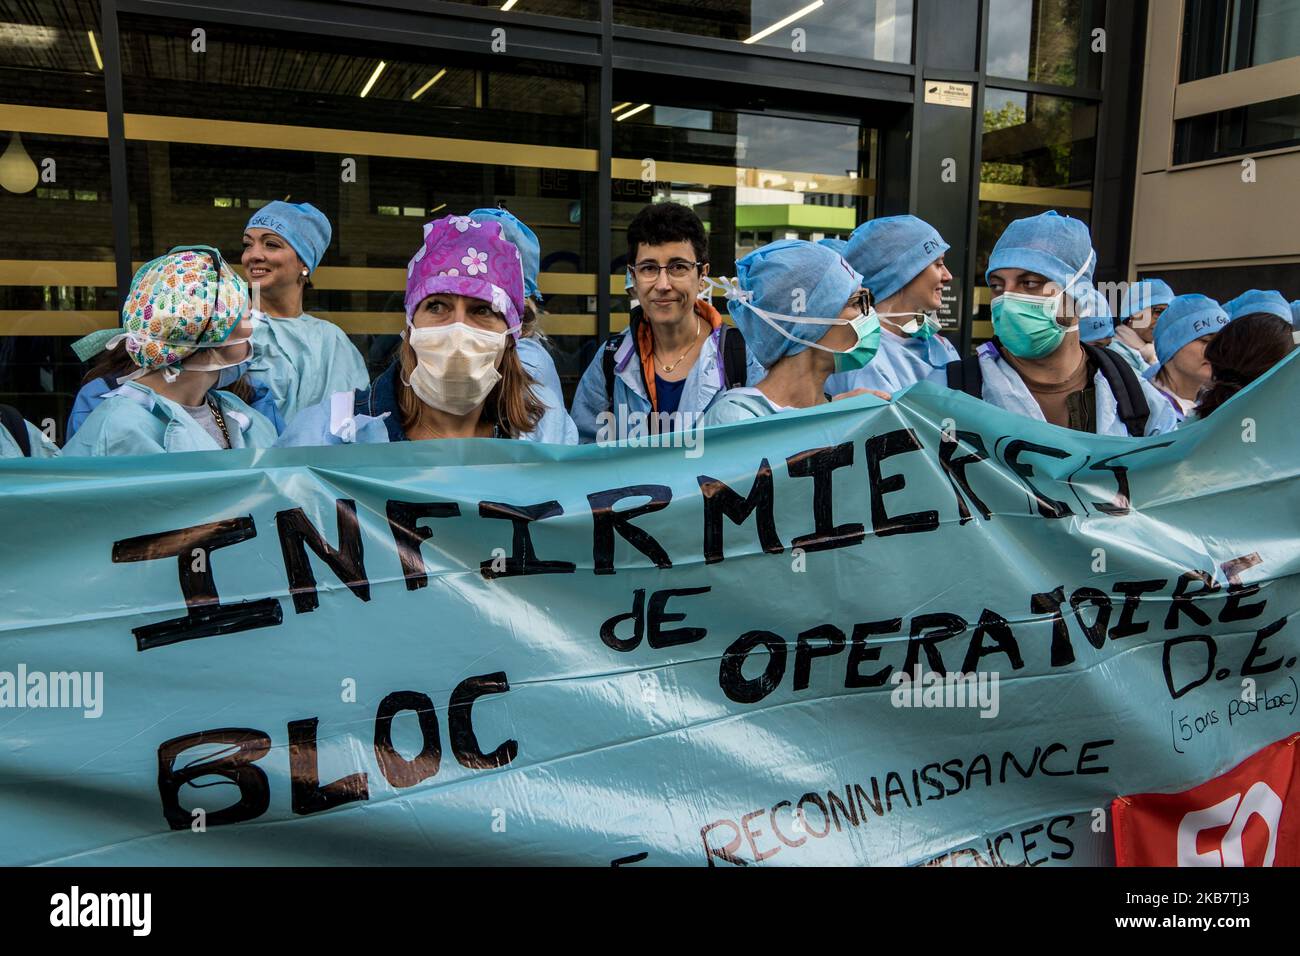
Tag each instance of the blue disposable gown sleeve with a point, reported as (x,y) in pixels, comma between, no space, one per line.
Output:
(41,446)
(118,426)
(351,367)
(304,361)
(590,399)
(735,406)
(312,427)
(556,426)
(88,399)
(264,402)
(540,364)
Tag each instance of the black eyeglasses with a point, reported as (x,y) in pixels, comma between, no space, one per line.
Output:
(648,271)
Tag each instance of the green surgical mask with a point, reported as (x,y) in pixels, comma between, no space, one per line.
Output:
(867,325)
(1026,324)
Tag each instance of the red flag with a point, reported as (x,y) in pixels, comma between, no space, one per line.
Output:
(1249,816)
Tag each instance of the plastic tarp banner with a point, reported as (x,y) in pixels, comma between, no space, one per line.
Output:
(925,631)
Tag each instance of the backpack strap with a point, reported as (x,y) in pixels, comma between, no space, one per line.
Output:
(607,353)
(965,375)
(1130,401)
(17,427)
(735,363)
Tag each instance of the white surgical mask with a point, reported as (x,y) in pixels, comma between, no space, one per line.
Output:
(919,324)
(230,371)
(455,367)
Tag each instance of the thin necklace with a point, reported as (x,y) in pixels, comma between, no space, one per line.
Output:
(669,368)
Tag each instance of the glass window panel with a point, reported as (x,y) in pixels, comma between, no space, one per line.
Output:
(1044,41)
(1035,140)
(575,9)
(1038,152)
(1277,31)
(867,29)
(752,177)
(1271,125)
(1220,36)
(281,116)
(57,277)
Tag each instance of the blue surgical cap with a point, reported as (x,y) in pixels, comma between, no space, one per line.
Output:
(1098,322)
(1144,294)
(779,278)
(300,224)
(1050,244)
(1188,318)
(834,244)
(892,251)
(1271,302)
(524,239)
(1295,313)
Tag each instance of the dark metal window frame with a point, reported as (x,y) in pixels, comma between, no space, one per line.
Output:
(604,47)
(1087,15)
(1208,45)
(442,25)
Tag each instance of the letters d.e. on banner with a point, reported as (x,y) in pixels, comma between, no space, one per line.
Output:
(1249,816)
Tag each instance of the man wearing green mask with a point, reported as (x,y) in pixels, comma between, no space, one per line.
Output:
(1040,273)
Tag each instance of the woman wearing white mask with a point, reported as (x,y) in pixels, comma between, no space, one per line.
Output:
(458,372)
(188,332)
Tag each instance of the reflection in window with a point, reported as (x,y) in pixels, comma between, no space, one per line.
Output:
(864,29)
(1031,139)
(1038,152)
(57,276)
(1220,36)
(753,178)
(1259,126)
(1043,41)
(1276,31)
(379,140)
(575,9)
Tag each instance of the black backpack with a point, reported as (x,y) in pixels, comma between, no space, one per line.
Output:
(735,363)
(13,421)
(964,375)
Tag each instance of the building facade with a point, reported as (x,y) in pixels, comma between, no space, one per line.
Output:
(130,126)
(1218,185)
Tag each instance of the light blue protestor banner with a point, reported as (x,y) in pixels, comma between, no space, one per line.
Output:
(497,653)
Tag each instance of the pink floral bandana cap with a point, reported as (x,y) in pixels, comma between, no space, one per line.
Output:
(463,257)
(179,303)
